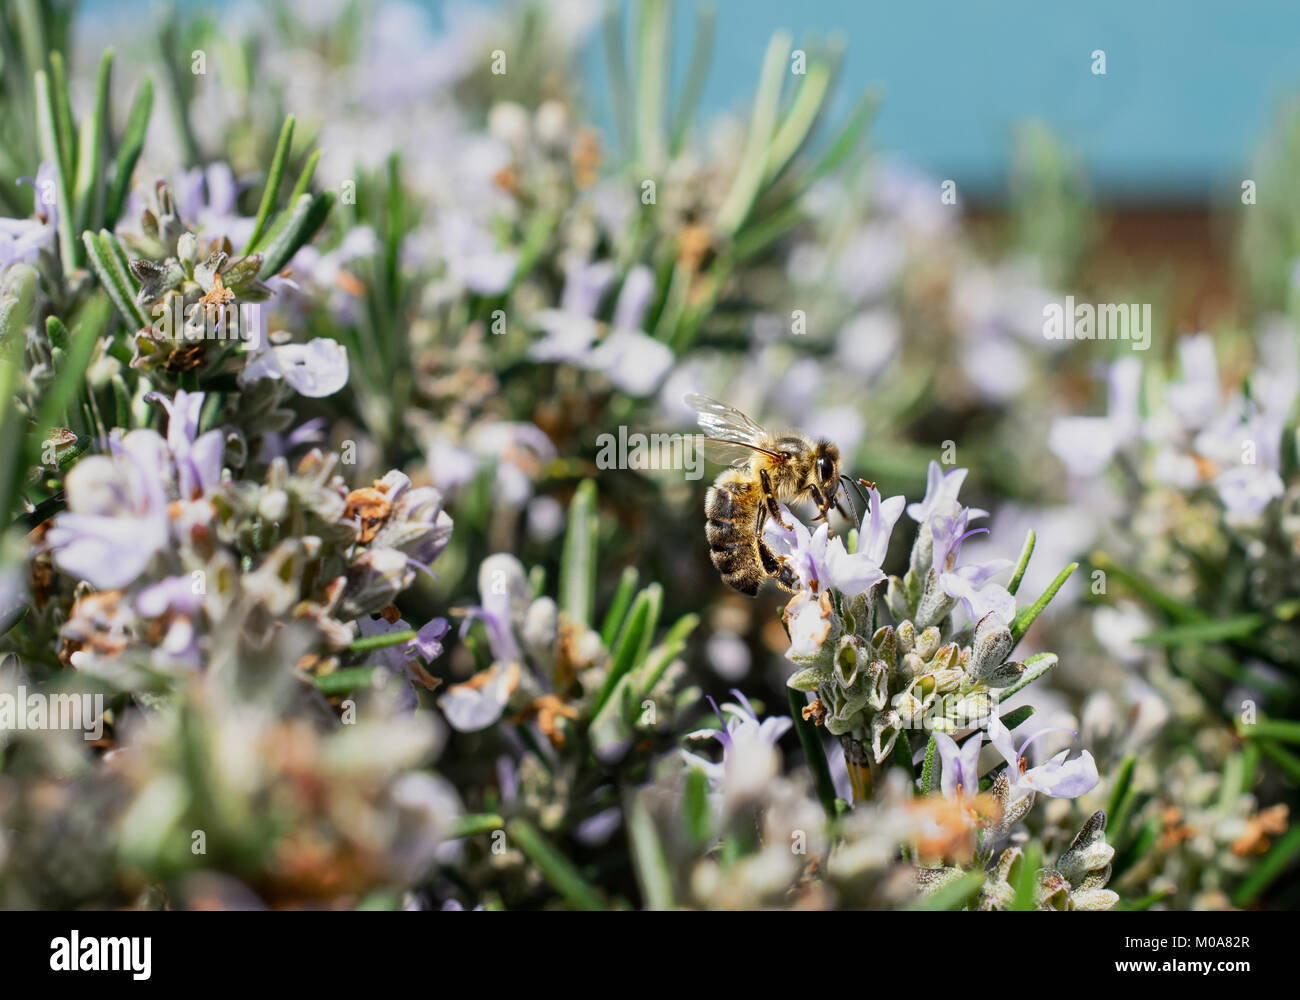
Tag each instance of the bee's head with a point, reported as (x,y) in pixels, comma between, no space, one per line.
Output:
(826,467)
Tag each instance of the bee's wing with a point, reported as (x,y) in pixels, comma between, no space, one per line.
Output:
(726,423)
(729,452)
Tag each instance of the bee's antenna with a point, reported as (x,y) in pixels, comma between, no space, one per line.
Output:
(849,497)
(857,485)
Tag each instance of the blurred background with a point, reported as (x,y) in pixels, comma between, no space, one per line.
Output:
(861,245)
(1164,137)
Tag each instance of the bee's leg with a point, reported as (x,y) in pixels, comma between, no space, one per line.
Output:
(776,567)
(823,506)
(773,565)
(823,503)
(769,497)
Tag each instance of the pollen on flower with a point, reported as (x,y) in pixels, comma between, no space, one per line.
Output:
(371,508)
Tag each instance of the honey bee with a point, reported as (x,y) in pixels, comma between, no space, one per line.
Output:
(766,469)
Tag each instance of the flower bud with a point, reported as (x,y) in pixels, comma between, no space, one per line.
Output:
(885,730)
(990,647)
(927,642)
(375,578)
(935,604)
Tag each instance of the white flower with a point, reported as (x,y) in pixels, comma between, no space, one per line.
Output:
(479,702)
(315,369)
(941,489)
(749,756)
(1058,778)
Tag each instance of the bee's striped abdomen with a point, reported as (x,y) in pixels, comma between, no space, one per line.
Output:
(731,507)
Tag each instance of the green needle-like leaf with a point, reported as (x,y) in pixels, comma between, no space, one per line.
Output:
(554,866)
(1018,717)
(1121,798)
(345,680)
(475,824)
(652,79)
(67,128)
(103,252)
(1035,667)
(753,163)
(1023,562)
(1280,857)
(128,152)
(272,189)
(618,607)
(88,192)
(48,135)
(648,858)
(632,642)
(301,223)
(1188,633)
(813,751)
(578,561)
(930,769)
(1025,616)
(696,815)
(952,896)
(1276,729)
(807,108)
(696,72)
(304,178)
(372,642)
(1027,877)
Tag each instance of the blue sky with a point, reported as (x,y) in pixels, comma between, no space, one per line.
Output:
(1189,92)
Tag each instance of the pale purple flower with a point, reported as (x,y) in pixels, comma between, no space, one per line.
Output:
(1245,490)
(504,592)
(471,256)
(941,490)
(572,327)
(197,457)
(749,758)
(518,448)
(868,342)
(316,274)
(631,359)
(417,524)
(275,444)
(819,561)
(206,198)
(1196,398)
(635,362)
(804,551)
(172,595)
(1058,778)
(971,585)
(315,369)
(117,518)
(427,643)
(961,776)
(401,659)
(1087,444)
(877,526)
(476,705)
(1246,444)
(22,240)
